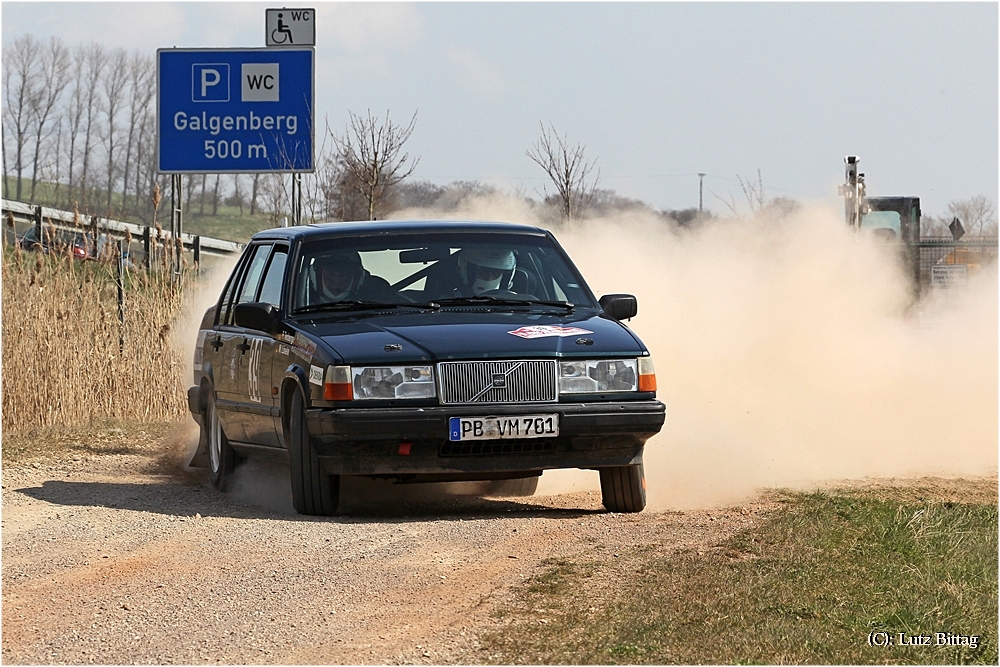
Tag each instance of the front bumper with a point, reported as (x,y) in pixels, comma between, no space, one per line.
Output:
(368,441)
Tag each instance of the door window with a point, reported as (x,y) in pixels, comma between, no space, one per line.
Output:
(270,290)
(254,273)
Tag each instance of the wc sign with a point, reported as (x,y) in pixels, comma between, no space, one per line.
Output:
(235,110)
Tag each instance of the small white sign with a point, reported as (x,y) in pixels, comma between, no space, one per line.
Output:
(316,375)
(949,275)
(291,27)
(260,82)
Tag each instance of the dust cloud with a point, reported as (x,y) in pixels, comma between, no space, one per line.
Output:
(787,354)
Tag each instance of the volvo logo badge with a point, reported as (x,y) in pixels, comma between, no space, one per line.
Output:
(499,381)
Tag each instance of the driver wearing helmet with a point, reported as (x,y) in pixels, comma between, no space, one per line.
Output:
(341,277)
(482,270)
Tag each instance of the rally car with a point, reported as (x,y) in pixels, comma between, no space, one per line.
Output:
(421,351)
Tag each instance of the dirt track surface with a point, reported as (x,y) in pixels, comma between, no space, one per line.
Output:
(125,559)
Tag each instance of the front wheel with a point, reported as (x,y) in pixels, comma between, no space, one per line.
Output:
(221,456)
(313,491)
(623,488)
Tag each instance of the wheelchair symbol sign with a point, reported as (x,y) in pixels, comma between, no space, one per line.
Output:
(290,27)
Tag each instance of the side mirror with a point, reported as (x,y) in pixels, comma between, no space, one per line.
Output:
(256,316)
(619,306)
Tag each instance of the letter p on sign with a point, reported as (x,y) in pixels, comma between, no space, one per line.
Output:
(210,82)
(260,82)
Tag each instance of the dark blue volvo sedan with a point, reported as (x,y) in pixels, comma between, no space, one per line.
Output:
(421,352)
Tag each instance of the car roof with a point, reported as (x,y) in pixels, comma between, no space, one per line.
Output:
(388,227)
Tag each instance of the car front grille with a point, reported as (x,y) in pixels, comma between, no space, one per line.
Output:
(474,382)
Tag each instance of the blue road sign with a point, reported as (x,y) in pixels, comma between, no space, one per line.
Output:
(235,110)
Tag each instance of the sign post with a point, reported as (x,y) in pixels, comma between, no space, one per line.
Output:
(235,110)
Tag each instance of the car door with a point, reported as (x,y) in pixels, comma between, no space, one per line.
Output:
(261,405)
(221,353)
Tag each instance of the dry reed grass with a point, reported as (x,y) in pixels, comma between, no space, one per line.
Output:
(62,365)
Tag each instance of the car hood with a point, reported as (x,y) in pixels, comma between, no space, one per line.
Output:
(444,335)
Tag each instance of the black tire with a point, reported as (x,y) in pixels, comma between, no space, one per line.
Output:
(523,487)
(222,458)
(314,492)
(623,488)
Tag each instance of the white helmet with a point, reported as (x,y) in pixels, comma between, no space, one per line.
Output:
(486,269)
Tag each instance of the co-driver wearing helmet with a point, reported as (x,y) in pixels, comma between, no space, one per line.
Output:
(342,277)
(482,270)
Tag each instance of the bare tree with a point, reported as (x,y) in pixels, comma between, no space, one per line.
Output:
(254,193)
(20,70)
(57,152)
(752,192)
(201,195)
(371,154)
(113,84)
(338,192)
(978,215)
(215,195)
(74,117)
(343,193)
(6,173)
(567,168)
(95,59)
(274,191)
(146,174)
(238,193)
(54,68)
(140,95)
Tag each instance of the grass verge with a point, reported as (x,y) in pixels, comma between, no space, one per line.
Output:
(102,437)
(808,585)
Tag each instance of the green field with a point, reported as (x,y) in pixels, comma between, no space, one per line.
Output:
(227,224)
(815,583)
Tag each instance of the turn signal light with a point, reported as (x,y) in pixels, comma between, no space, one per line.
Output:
(337,384)
(647,376)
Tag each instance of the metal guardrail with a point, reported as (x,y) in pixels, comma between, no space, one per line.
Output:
(67,220)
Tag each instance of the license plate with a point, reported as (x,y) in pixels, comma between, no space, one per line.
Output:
(503,428)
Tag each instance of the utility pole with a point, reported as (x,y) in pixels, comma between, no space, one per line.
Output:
(701,189)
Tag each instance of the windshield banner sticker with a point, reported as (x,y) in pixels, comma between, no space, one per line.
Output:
(544,331)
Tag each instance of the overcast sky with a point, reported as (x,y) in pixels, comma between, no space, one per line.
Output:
(657,92)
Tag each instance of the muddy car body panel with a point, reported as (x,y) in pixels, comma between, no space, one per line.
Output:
(421,351)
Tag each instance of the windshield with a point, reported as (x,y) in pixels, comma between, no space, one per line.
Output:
(881,220)
(423,269)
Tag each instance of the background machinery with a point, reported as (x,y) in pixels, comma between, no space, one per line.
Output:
(931,262)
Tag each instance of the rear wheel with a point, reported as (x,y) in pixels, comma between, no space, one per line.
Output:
(313,491)
(221,457)
(623,488)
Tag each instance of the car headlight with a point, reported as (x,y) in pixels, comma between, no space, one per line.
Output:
(392,382)
(593,376)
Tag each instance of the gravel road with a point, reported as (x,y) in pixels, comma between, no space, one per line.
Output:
(131,559)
